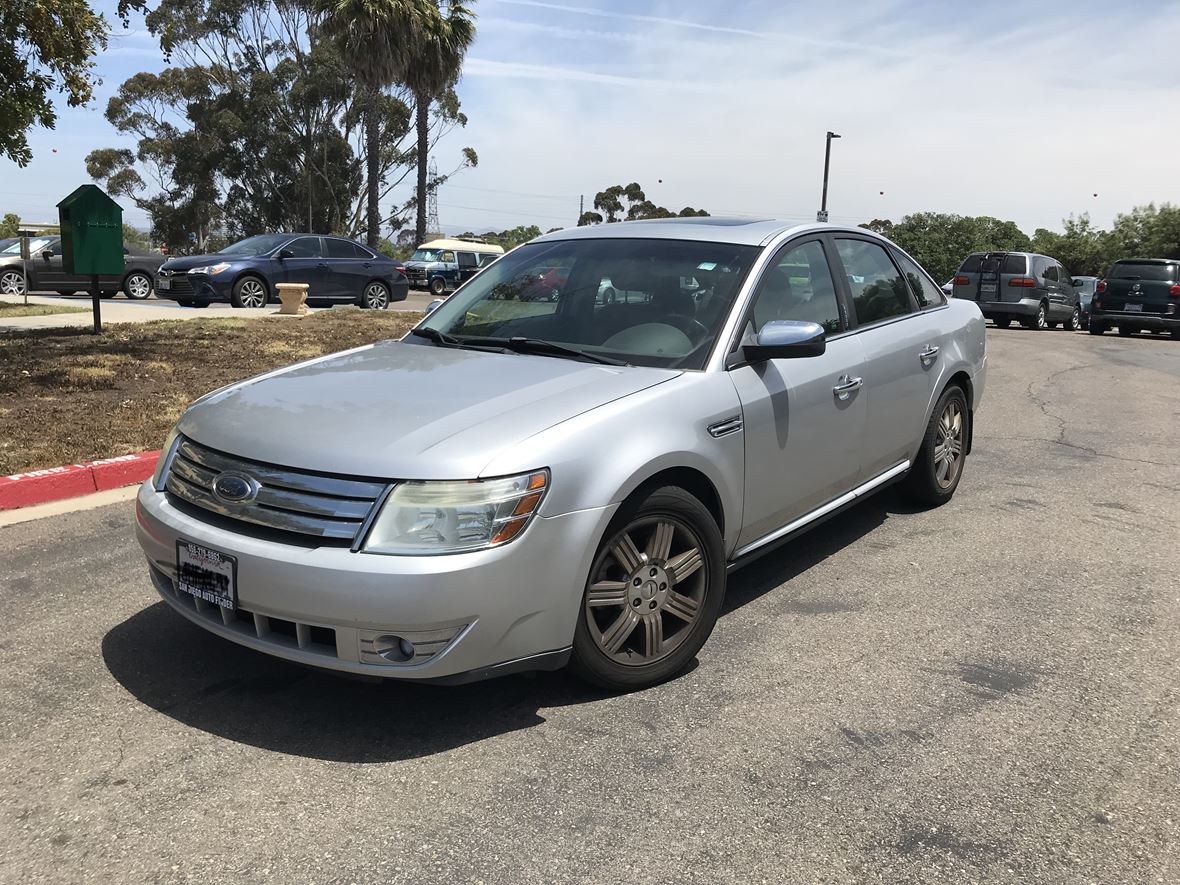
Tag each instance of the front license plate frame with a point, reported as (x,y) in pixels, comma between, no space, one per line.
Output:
(208,574)
(163,284)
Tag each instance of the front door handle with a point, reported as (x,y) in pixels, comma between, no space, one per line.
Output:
(929,355)
(846,387)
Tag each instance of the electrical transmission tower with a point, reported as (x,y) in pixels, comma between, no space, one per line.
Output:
(432,225)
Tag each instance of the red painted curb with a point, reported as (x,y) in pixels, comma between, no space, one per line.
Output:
(72,480)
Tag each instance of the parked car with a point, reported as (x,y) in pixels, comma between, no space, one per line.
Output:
(1032,289)
(570,485)
(1138,294)
(444,265)
(47,273)
(1085,287)
(245,274)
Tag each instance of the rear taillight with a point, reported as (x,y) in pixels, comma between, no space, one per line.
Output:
(1174,291)
(1101,287)
(961,281)
(1023,282)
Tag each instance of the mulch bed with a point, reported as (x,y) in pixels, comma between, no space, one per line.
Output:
(68,396)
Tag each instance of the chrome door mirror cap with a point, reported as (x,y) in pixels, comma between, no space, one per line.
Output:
(430,308)
(787,339)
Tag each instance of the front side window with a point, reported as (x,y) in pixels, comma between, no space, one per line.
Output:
(447,257)
(878,290)
(648,302)
(926,293)
(798,286)
(305,247)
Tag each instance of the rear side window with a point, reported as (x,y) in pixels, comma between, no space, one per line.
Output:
(344,249)
(1050,273)
(926,293)
(1158,272)
(467,259)
(878,290)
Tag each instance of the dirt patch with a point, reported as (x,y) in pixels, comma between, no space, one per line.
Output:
(10,309)
(67,396)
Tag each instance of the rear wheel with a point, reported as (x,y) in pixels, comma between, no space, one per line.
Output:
(438,287)
(935,474)
(1075,320)
(249,292)
(375,296)
(12,282)
(653,594)
(1041,320)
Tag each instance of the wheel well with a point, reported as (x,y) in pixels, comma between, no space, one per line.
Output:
(963,381)
(253,273)
(692,481)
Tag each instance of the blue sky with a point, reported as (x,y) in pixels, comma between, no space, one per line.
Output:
(1018,110)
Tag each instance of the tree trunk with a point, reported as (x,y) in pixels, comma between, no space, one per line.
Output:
(422,109)
(372,159)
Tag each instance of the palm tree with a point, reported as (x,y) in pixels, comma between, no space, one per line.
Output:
(379,39)
(434,64)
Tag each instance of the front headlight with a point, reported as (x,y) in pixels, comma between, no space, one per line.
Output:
(166,454)
(211,269)
(428,518)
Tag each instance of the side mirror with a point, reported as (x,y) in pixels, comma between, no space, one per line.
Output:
(285,253)
(46,254)
(787,339)
(430,308)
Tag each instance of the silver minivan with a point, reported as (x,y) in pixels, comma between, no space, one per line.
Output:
(1035,290)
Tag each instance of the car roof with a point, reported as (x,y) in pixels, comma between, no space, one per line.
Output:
(711,229)
(463,246)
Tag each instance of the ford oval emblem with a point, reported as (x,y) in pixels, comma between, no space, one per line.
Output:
(235,488)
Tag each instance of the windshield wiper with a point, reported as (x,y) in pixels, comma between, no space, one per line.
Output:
(442,339)
(539,345)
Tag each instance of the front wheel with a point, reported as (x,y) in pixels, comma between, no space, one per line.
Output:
(653,594)
(935,474)
(1075,320)
(438,287)
(249,292)
(375,296)
(137,286)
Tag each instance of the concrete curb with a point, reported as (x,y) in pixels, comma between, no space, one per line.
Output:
(73,480)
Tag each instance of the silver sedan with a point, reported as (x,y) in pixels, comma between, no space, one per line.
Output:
(540,475)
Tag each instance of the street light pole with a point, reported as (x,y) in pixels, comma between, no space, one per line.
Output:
(822,214)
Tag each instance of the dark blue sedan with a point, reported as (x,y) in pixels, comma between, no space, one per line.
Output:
(335,269)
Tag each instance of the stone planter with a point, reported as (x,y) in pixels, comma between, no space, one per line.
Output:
(293,298)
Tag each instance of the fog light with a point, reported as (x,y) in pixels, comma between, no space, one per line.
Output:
(406,647)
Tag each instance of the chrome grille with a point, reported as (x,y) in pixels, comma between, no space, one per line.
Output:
(313,505)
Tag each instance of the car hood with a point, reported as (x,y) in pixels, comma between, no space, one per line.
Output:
(190,261)
(402,411)
(424,264)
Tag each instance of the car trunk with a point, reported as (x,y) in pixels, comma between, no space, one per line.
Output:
(988,276)
(1140,287)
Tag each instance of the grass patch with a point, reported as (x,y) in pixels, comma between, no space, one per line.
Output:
(9,309)
(68,396)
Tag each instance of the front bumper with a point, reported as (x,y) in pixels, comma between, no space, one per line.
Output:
(1169,322)
(1025,307)
(512,607)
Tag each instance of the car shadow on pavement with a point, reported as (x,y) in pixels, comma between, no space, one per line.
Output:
(219,687)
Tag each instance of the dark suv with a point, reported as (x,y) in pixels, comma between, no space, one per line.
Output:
(1138,294)
(1034,290)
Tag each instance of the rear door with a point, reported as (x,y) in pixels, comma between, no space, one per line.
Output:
(349,268)
(1140,287)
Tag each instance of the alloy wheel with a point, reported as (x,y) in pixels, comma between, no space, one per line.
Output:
(12,282)
(948,445)
(646,590)
(253,294)
(138,287)
(376,296)
(1042,320)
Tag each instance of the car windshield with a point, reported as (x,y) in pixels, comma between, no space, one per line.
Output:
(258,245)
(426,255)
(35,245)
(1159,272)
(642,301)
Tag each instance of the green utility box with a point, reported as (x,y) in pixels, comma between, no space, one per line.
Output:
(91,233)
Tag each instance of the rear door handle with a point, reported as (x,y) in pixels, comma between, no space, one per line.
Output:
(929,355)
(321,264)
(846,387)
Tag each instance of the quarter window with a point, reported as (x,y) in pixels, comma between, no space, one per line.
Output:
(798,287)
(878,290)
(927,294)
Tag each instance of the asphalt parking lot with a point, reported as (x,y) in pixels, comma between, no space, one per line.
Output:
(987,692)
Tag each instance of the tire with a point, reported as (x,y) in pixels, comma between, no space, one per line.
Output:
(438,287)
(1176,334)
(1075,320)
(375,296)
(620,620)
(1041,321)
(1125,332)
(12,282)
(184,302)
(64,294)
(108,294)
(1096,329)
(1052,325)
(137,285)
(1002,322)
(249,291)
(928,483)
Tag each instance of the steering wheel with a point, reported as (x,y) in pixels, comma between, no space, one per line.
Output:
(693,328)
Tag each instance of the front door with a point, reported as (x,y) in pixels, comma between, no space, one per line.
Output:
(306,264)
(804,418)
